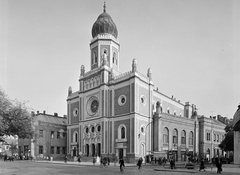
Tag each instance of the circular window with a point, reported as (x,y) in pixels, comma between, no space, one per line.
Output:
(122,100)
(143,100)
(75,112)
(142,129)
(92,105)
(92,129)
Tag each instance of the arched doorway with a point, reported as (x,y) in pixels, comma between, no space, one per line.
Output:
(142,150)
(99,149)
(93,149)
(87,149)
(120,153)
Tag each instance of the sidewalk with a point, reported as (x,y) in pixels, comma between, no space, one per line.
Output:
(82,163)
(226,167)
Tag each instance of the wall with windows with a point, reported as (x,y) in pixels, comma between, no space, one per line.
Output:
(211,134)
(49,138)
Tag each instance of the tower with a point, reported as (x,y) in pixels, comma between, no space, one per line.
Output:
(104,42)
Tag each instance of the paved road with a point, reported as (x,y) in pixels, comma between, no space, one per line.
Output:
(73,168)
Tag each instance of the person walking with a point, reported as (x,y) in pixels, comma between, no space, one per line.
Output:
(94,160)
(122,165)
(65,159)
(101,161)
(218,165)
(79,159)
(139,164)
(202,166)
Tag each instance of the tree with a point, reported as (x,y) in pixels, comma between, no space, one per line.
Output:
(227,143)
(15,119)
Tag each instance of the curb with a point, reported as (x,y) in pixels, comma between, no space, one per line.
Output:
(171,170)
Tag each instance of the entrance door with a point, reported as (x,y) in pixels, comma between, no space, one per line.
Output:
(93,150)
(87,150)
(74,151)
(142,150)
(120,153)
(99,149)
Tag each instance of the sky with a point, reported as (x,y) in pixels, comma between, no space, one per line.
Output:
(192,47)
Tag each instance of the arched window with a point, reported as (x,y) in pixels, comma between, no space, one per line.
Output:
(105,52)
(191,138)
(114,57)
(175,136)
(183,137)
(75,136)
(165,135)
(122,132)
(95,57)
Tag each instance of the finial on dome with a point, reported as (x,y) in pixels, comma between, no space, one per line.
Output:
(104,7)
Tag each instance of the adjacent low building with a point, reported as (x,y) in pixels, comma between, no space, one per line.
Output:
(49,138)
(236,128)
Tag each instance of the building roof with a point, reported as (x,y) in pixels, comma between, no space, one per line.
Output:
(51,119)
(104,25)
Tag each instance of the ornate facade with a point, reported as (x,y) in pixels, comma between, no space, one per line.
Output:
(122,114)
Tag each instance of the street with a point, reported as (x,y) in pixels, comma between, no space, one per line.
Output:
(40,168)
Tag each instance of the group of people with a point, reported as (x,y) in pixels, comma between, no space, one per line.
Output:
(217,161)
(103,161)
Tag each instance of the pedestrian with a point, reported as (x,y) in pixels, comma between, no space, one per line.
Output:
(122,165)
(202,166)
(164,162)
(79,159)
(5,157)
(65,159)
(101,161)
(94,160)
(218,165)
(139,164)
(155,160)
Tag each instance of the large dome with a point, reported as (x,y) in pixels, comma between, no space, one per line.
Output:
(104,24)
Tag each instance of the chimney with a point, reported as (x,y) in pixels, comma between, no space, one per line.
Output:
(44,112)
(55,114)
(64,116)
(37,112)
